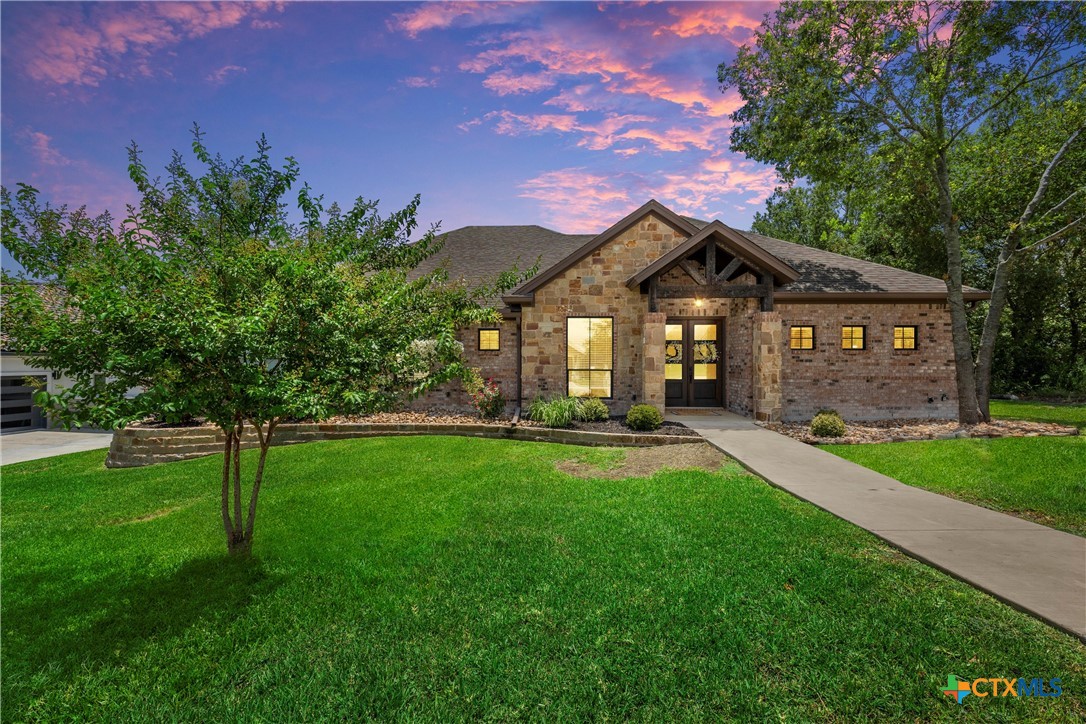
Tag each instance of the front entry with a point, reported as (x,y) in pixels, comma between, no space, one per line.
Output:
(694,363)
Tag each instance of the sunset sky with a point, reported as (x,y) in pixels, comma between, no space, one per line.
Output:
(566,115)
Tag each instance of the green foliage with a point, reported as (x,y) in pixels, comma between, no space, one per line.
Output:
(209,301)
(922,133)
(116,605)
(559,412)
(827,424)
(593,409)
(486,395)
(644,417)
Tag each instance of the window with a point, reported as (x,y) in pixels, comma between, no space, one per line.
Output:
(489,340)
(801,338)
(589,343)
(904,337)
(852,337)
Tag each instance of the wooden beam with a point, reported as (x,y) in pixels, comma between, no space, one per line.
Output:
(732,268)
(711,290)
(767,300)
(688,266)
(710,260)
(652,294)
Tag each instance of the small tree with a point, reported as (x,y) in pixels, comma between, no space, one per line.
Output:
(210,302)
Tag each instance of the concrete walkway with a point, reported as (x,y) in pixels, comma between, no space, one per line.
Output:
(18,447)
(1037,569)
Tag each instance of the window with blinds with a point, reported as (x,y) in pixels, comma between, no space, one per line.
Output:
(589,356)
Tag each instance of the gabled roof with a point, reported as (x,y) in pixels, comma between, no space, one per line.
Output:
(730,239)
(477,254)
(525,292)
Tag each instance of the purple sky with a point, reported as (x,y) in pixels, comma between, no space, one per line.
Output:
(568,115)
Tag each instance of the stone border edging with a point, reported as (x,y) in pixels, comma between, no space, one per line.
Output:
(134,447)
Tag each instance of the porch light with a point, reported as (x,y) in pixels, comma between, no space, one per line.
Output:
(698,301)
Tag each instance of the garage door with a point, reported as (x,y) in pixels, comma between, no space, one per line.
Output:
(17,410)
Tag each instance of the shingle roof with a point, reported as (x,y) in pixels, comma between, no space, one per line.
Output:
(827,272)
(479,253)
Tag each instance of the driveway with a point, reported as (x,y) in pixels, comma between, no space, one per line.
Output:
(18,447)
(1033,568)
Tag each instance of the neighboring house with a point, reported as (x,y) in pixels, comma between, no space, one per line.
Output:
(17,410)
(676,312)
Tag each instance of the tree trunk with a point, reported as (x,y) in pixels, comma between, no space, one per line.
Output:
(965,377)
(239,530)
(1000,290)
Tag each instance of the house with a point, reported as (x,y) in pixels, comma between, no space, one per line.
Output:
(676,312)
(17,409)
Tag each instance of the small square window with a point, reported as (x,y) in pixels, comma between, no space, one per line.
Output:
(904,337)
(489,340)
(852,337)
(801,338)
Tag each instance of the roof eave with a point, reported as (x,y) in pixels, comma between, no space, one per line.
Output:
(882,297)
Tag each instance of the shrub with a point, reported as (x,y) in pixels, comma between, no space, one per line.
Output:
(644,417)
(593,409)
(827,424)
(559,412)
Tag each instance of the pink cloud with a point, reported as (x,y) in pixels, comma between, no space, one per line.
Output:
(417,81)
(575,200)
(579,200)
(733,21)
(221,75)
(41,146)
(505,82)
(442,15)
(81,46)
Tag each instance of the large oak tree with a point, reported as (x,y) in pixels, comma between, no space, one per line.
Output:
(838,91)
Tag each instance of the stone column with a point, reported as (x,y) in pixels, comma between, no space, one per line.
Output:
(652,352)
(768,338)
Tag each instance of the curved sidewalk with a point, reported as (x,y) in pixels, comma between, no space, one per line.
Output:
(1036,569)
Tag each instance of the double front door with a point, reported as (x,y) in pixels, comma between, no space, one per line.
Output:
(694,363)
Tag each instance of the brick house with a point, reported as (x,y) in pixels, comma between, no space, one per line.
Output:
(677,312)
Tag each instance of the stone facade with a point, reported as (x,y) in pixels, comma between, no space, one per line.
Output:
(767,366)
(762,377)
(596,286)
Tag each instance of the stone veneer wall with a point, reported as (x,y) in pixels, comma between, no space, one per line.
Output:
(767,367)
(501,366)
(135,447)
(596,286)
(654,335)
(875,383)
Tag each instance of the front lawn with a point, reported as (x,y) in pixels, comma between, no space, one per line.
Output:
(1039,478)
(1064,414)
(454,578)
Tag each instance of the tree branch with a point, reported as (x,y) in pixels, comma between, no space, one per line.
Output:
(1054,235)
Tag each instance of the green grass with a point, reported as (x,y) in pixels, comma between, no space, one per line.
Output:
(1039,478)
(452,578)
(1040,412)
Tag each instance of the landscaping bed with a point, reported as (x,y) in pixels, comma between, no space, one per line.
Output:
(912,430)
(614,426)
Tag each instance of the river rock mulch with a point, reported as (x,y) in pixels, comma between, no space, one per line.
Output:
(858,433)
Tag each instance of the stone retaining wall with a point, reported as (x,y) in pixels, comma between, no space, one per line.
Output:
(134,447)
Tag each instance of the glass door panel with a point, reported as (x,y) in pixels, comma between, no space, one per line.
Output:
(705,352)
(673,352)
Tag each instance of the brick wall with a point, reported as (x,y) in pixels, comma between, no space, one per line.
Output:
(877,382)
(500,365)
